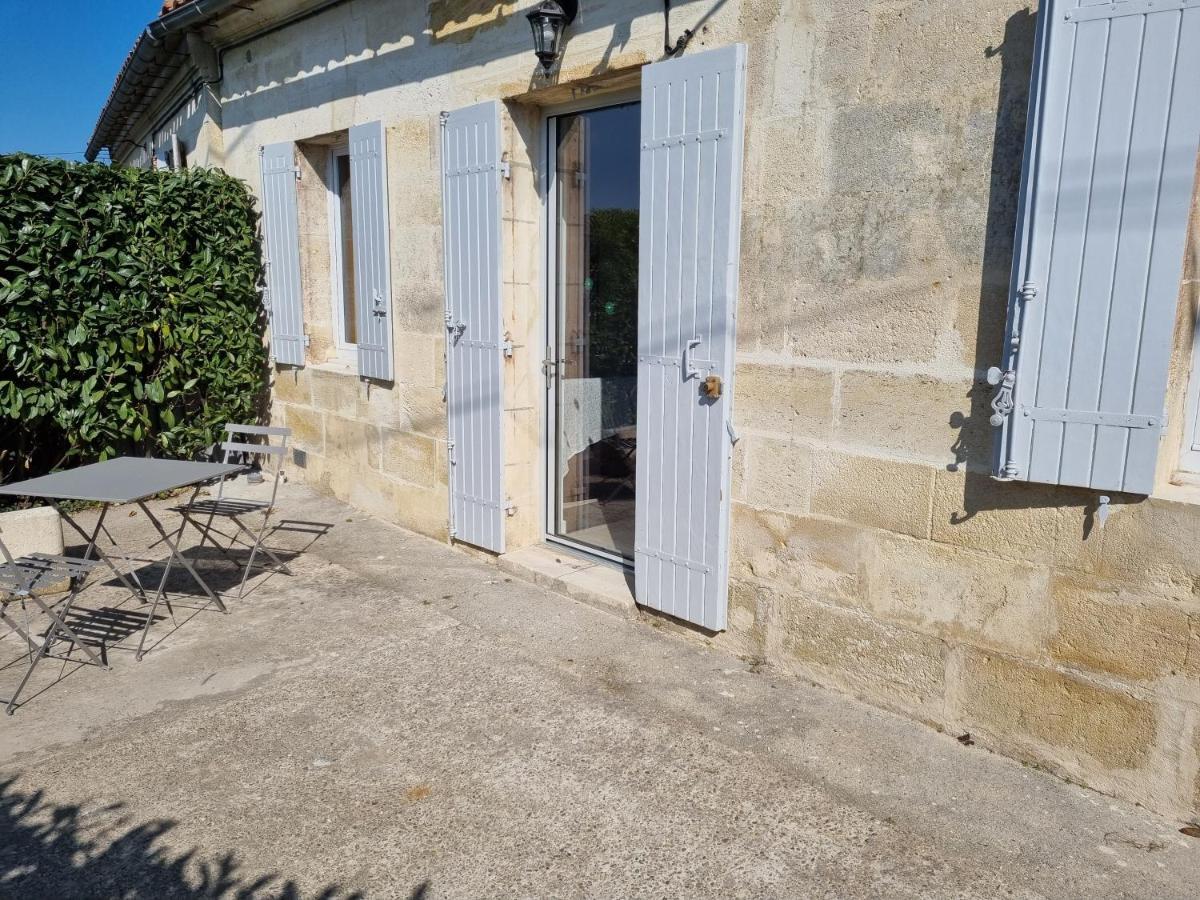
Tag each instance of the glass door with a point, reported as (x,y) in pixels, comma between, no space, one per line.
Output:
(592,352)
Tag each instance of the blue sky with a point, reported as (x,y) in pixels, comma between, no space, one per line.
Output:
(60,58)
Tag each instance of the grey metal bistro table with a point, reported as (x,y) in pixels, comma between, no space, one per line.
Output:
(128,479)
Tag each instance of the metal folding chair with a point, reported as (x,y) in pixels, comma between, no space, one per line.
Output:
(203,513)
(20,580)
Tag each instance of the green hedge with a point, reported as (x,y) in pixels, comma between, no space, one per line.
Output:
(130,312)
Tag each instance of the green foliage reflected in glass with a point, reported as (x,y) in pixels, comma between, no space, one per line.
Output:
(131,319)
(612,283)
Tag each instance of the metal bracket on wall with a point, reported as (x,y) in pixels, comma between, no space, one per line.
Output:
(681,42)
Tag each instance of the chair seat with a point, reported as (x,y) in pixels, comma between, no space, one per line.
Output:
(226,506)
(38,570)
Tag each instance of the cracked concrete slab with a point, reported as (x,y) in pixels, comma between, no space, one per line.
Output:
(398,719)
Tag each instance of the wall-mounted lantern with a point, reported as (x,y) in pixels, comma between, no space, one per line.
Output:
(549,19)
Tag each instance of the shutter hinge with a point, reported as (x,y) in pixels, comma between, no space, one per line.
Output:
(507,346)
(450,453)
(505,167)
(510,508)
(443,117)
(307,340)
(296,169)
(1005,381)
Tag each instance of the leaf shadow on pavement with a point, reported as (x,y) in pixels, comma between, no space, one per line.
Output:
(76,850)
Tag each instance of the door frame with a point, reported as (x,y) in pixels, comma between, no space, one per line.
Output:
(548,133)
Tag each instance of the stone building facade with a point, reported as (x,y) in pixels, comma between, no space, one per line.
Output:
(869,547)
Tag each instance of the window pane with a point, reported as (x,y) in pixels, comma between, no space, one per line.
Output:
(349,305)
(596,390)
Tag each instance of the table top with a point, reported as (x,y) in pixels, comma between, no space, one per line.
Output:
(121,480)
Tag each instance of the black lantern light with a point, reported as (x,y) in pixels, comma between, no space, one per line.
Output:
(549,19)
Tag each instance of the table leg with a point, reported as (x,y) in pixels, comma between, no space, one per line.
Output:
(93,545)
(183,560)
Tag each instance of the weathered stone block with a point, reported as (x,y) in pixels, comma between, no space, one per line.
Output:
(785,400)
(293,386)
(1154,540)
(410,457)
(961,595)
(415,358)
(351,443)
(423,510)
(308,428)
(1049,714)
(777,474)
(881,493)
(885,148)
(1014,519)
(423,410)
(379,403)
(883,319)
(1107,628)
(917,416)
(820,557)
(748,613)
(335,392)
(847,648)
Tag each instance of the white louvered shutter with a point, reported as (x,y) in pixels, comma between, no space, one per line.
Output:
(1110,160)
(474,343)
(690,214)
(372,271)
(281,249)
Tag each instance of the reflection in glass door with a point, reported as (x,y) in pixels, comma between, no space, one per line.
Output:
(593,340)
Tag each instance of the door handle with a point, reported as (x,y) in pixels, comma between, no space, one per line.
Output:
(690,371)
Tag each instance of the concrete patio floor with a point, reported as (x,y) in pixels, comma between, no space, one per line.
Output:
(399,719)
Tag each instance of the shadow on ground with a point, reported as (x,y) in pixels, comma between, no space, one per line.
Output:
(65,851)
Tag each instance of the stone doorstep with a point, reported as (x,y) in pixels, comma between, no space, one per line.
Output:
(601,585)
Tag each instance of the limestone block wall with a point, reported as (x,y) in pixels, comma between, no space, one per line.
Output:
(870,550)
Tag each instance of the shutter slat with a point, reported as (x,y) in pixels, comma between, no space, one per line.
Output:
(281,247)
(372,269)
(1148,131)
(1110,173)
(1106,190)
(471,229)
(692,120)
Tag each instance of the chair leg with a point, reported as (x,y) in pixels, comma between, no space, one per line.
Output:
(59,625)
(206,531)
(258,545)
(16,627)
(280,565)
(56,625)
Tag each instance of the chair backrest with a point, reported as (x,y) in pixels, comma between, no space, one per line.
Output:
(266,451)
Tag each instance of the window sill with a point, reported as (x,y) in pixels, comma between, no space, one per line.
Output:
(1184,487)
(336,367)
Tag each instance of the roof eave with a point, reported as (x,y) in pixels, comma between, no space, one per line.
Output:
(131,92)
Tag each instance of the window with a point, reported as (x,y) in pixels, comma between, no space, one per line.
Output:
(341,251)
